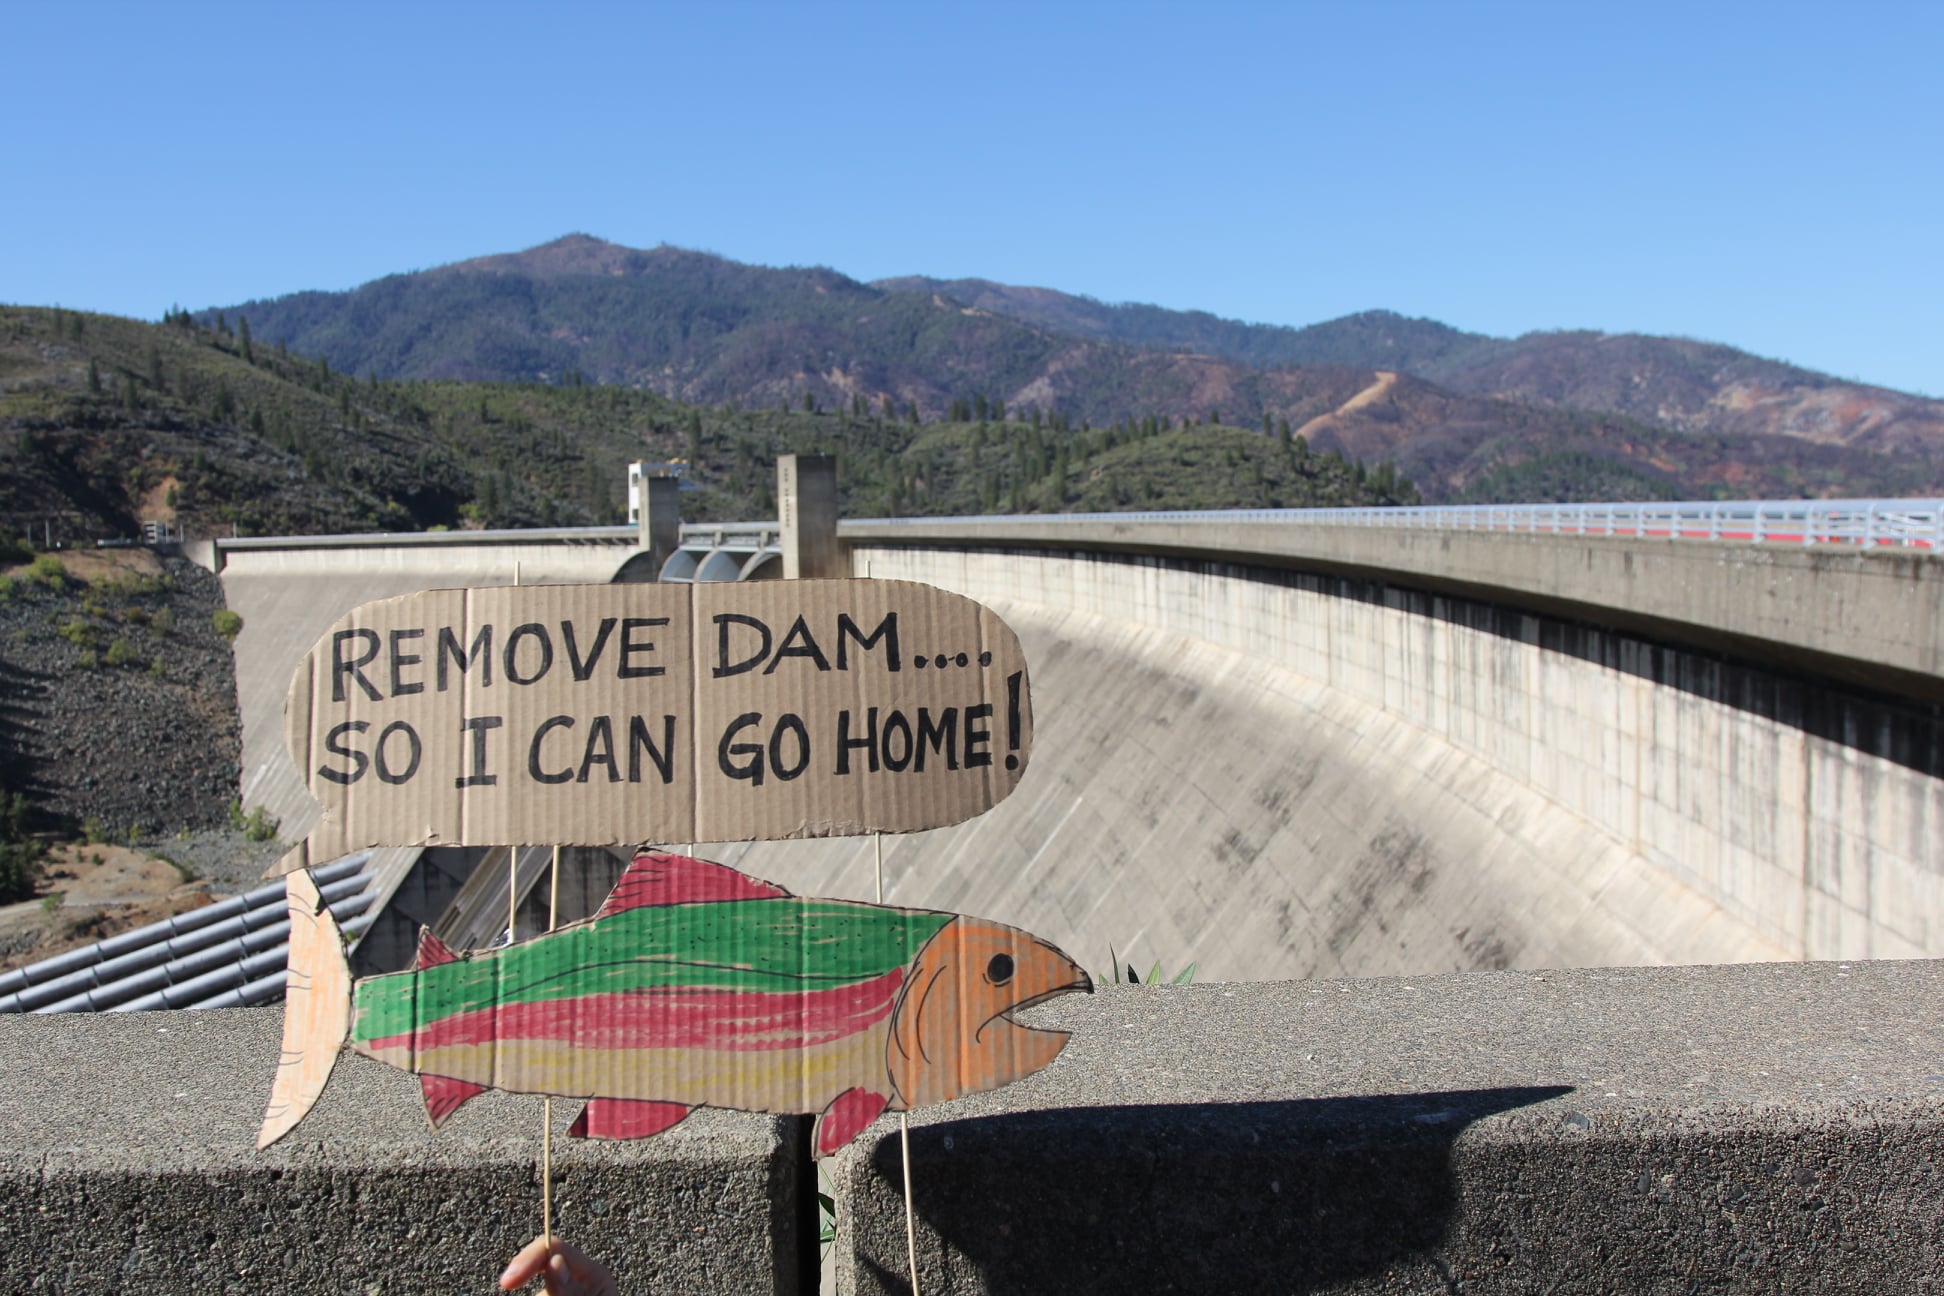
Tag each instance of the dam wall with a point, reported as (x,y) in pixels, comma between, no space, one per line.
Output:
(1285,762)
(1276,773)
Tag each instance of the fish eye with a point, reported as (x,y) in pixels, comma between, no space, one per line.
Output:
(1000,969)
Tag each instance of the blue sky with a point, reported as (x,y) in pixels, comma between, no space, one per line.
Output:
(1763,175)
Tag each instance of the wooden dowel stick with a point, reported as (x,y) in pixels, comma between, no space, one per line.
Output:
(904,1118)
(546,1118)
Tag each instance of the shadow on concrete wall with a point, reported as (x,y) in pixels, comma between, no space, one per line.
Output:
(1233,1197)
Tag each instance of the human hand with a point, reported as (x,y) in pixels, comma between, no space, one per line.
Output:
(566,1269)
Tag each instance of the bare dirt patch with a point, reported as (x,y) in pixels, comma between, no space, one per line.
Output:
(110,564)
(93,892)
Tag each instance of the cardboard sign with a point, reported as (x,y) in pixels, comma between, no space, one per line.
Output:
(694,986)
(613,714)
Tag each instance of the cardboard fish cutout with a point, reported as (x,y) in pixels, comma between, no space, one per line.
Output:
(693,986)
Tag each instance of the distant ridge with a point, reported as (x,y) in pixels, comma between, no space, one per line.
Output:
(1559,414)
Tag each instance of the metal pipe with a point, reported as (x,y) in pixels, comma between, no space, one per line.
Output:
(181,924)
(193,992)
(271,939)
(75,986)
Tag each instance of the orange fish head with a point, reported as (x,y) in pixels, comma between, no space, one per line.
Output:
(953,1032)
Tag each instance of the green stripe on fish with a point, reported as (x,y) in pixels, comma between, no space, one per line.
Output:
(777,945)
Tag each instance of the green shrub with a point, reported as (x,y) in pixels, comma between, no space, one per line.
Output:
(228,624)
(162,622)
(49,570)
(1154,977)
(121,653)
(88,660)
(20,871)
(20,855)
(260,827)
(77,631)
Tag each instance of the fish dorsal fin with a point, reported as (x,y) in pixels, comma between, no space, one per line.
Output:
(654,878)
(432,951)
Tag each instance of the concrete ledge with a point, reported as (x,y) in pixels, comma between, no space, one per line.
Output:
(1760,1128)
(1871,618)
(127,1163)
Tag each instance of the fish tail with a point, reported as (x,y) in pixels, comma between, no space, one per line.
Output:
(317,1010)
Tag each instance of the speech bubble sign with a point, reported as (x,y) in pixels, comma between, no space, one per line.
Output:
(612,714)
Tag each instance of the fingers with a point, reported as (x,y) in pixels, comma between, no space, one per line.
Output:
(581,1274)
(526,1266)
(568,1270)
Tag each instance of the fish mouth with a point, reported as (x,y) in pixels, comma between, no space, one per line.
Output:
(1085,983)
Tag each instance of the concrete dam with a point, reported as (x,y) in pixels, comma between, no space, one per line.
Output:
(1284,751)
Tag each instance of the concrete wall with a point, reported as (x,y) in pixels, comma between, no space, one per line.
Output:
(1285,775)
(127,1164)
(1277,773)
(1763,1128)
(1767,1128)
(1872,617)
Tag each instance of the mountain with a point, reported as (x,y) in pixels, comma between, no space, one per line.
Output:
(106,423)
(1557,415)
(1698,387)
(1375,339)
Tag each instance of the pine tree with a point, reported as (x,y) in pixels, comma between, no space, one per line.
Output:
(94,377)
(243,338)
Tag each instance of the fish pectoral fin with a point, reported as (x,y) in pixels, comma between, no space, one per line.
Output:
(444,1096)
(849,1112)
(317,1009)
(625,1118)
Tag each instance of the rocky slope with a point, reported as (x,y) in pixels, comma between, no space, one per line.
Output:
(118,695)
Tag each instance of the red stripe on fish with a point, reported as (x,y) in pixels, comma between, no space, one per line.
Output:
(735,1021)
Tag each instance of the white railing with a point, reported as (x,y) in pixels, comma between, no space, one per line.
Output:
(1901,523)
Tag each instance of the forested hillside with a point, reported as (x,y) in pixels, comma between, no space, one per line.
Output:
(108,422)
